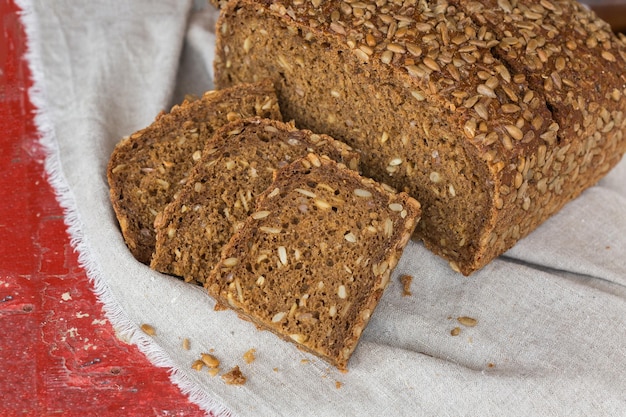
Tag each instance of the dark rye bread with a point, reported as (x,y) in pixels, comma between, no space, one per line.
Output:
(492,114)
(236,166)
(147,168)
(312,261)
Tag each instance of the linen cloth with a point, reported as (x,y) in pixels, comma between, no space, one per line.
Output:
(550,338)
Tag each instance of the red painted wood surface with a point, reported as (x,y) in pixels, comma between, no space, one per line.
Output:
(59,356)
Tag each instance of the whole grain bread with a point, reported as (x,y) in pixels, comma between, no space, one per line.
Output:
(312,261)
(236,166)
(148,168)
(492,114)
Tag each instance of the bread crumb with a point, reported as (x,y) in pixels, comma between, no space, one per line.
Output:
(455,332)
(214,371)
(197,365)
(275,369)
(209,360)
(249,356)
(186,344)
(406,284)
(338,384)
(234,377)
(304,361)
(467,321)
(147,329)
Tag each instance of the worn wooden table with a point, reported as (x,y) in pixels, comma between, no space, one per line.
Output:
(58,353)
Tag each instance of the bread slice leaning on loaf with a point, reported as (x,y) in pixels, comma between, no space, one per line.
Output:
(147,169)
(236,166)
(492,114)
(311,263)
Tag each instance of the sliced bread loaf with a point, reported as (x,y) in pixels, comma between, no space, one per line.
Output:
(147,168)
(311,263)
(235,167)
(493,114)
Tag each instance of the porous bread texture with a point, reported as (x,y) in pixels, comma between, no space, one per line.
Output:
(235,167)
(147,168)
(492,114)
(311,263)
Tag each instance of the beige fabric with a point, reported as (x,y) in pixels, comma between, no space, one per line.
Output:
(550,338)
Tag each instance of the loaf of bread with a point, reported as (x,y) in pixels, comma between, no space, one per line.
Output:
(312,261)
(236,166)
(492,114)
(147,168)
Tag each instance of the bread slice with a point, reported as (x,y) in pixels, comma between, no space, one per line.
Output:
(236,166)
(312,261)
(148,168)
(493,114)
